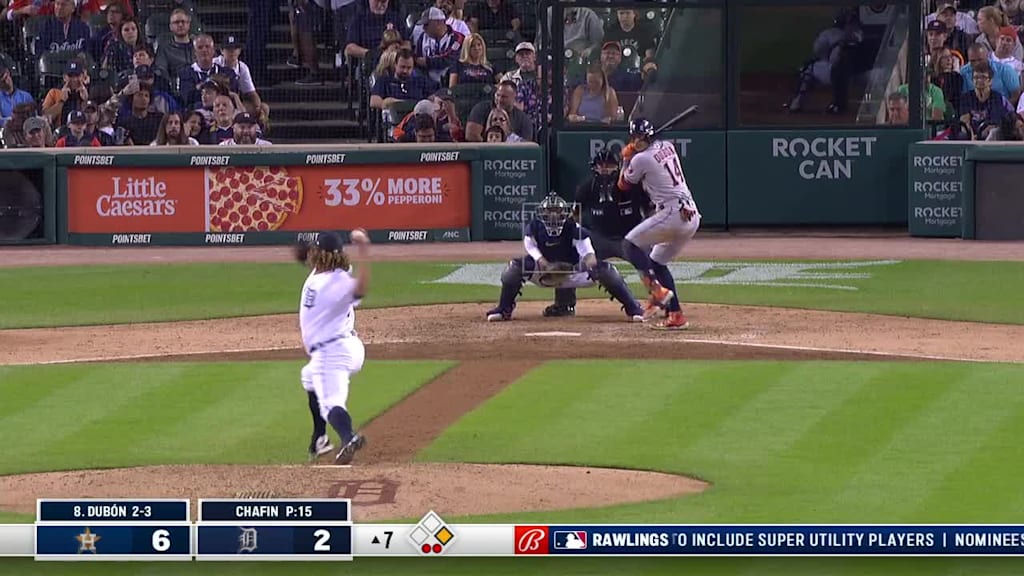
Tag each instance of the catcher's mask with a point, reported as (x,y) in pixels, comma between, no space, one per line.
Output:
(553,212)
(605,164)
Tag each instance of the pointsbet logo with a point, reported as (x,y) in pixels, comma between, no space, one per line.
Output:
(136,197)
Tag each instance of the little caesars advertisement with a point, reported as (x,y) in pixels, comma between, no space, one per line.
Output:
(936,189)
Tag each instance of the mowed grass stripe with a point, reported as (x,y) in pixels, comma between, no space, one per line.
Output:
(110,415)
(17,398)
(854,430)
(984,470)
(54,425)
(900,476)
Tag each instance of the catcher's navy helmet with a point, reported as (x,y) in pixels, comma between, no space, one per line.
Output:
(553,211)
(641,128)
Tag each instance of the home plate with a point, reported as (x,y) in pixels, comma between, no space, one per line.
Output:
(553,334)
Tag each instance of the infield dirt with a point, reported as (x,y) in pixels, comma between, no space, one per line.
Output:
(384,483)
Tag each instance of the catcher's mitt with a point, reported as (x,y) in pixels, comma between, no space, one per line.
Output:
(554,274)
(301,251)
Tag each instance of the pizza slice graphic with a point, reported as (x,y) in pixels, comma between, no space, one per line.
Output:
(248,199)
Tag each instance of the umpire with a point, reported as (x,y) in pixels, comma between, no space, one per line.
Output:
(607,213)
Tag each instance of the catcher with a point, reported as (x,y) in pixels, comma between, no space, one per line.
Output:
(559,255)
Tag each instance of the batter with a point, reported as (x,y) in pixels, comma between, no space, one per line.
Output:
(674,220)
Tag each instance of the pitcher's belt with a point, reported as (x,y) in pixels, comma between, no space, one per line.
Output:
(341,336)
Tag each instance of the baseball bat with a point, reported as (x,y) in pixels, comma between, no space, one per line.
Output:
(677,119)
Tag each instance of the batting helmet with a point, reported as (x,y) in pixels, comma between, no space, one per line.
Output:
(641,128)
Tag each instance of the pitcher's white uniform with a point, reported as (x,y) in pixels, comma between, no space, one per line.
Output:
(659,170)
(327,320)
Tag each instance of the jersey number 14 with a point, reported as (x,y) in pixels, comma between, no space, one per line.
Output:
(675,171)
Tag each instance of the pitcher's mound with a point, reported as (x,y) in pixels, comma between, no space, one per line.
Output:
(378,492)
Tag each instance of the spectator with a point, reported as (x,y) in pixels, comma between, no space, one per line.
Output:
(934,99)
(1004,80)
(389,52)
(305,19)
(90,7)
(102,38)
(160,101)
(425,130)
(594,101)
(18,10)
(833,54)
(493,15)
(447,7)
(204,68)
(527,78)
(141,123)
(402,84)
(504,99)
(897,107)
(94,123)
(946,11)
(14,129)
(343,12)
(441,108)
(438,48)
(961,29)
(1005,47)
(37,133)
(59,102)
(983,109)
(197,128)
(636,38)
(119,52)
(230,52)
(172,133)
(499,118)
(365,32)
(620,79)
(936,37)
(946,76)
(245,132)
(62,32)
(494,135)
(991,20)
(224,113)
(10,95)
(583,31)
(1012,9)
(176,53)
(143,55)
(77,135)
(472,67)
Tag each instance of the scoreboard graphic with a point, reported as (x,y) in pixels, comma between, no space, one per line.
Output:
(322,529)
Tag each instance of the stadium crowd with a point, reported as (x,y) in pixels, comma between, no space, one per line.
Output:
(143,72)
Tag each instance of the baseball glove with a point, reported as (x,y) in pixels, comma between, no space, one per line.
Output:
(301,251)
(554,274)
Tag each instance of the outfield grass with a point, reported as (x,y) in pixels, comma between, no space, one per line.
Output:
(782,442)
(110,415)
(61,296)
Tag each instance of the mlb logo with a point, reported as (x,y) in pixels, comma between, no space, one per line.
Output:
(531,540)
(571,540)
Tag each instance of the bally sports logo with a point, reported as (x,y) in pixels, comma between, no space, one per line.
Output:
(531,539)
(136,197)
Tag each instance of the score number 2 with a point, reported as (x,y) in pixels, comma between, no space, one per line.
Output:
(334,195)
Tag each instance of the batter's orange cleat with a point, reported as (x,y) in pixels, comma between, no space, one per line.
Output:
(675,321)
(660,296)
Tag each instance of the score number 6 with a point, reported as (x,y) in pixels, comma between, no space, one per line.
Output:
(161,540)
(334,195)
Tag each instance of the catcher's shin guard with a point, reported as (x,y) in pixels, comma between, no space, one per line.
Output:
(565,297)
(511,284)
(609,278)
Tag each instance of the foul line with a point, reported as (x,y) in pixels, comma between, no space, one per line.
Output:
(144,356)
(840,350)
(692,340)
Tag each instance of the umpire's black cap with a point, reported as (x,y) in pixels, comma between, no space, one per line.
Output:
(329,241)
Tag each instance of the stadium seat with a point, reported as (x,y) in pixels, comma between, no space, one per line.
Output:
(468,95)
(500,38)
(158,24)
(11,65)
(29,32)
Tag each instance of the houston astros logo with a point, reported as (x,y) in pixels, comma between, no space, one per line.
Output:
(531,540)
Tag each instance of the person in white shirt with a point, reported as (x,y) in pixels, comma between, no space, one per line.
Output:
(246,132)
(230,51)
(330,295)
